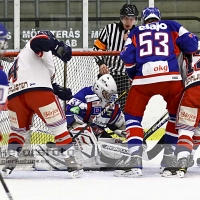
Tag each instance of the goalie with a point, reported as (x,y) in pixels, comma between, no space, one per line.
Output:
(94,146)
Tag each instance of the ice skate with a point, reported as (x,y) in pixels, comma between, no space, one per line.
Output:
(11,162)
(132,167)
(182,165)
(169,172)
(75,169)
(168,166)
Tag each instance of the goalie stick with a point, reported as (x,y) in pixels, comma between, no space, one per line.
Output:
(5,187)
(101,113)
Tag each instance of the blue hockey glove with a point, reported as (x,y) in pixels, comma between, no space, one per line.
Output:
(62,93)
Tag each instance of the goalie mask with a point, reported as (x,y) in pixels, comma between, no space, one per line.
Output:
(150,13)
(105,87)
(3,37)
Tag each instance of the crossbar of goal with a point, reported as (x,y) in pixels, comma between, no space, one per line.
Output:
(75,53)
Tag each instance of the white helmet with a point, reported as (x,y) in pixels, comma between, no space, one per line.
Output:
(105,87)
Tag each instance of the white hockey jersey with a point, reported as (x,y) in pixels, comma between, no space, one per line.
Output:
(31,71)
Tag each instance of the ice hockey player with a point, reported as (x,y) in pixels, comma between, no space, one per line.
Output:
(89,102)
(86,106)
(31,92)
(3,76)
(188,117)
(150,60)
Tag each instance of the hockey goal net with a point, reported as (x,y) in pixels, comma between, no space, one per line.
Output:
(79,72)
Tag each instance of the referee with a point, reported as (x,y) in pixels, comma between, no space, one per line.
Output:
(112,38)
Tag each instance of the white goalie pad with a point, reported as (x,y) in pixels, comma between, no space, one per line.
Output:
(91,153)
(86,142)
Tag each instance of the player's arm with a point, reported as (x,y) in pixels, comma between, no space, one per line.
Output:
(186,41)
(47,42)
(75,111)
(101,45)
(127,55)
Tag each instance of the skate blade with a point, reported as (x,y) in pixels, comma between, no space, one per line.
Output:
(133,173)
(76,173)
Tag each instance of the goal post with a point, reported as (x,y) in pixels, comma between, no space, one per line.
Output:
(81,71)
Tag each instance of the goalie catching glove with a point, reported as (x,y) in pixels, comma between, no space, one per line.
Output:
(62,93)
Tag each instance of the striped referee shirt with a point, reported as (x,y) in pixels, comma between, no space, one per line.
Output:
(111,38)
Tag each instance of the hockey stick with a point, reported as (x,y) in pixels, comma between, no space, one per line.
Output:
(156,126)
(65,81)
(5,187)
(158,147)
(101,113)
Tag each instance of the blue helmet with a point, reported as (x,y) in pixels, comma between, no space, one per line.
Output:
(148,13)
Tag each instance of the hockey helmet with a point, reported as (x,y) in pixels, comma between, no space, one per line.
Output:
(129,10)
(150,12)
(105,87)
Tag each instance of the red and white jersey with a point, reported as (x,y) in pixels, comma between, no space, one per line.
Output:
(31,71)
(192,70)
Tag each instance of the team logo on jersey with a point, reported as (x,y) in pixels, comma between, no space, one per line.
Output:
(97,110)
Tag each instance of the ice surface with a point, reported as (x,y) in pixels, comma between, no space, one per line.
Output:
(54,185)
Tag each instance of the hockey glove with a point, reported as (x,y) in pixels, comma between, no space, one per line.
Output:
(62,51)
(62,93)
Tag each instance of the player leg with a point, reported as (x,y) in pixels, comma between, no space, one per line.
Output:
(186,123)
(134,110)
(172,97)
(48,108)
(20,117)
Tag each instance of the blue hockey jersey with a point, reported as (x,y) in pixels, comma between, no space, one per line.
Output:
(3,87)
(150,51)
(85,105)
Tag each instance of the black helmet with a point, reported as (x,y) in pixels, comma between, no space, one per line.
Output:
(129,10)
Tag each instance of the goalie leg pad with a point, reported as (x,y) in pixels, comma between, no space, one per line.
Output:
(86,142)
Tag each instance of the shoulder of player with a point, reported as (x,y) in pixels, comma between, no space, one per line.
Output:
(81,94)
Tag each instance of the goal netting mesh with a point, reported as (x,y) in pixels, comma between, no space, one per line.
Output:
(80,71)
